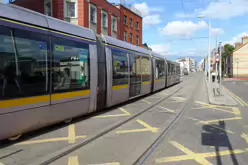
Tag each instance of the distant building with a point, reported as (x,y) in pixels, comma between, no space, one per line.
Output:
(117,20)
(239,59)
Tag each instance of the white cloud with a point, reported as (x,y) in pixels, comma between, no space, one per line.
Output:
(182,29)
(148,17)
(182,15)
(217,31)
(237,38)
(226,9)
(152,19)
(163,49)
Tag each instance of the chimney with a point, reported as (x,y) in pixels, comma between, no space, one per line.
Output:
(238,45)
(244,40)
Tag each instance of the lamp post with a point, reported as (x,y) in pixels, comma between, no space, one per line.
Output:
(209,46)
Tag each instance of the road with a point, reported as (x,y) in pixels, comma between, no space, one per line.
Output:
(174,126)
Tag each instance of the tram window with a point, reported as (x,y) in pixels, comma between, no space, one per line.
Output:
(120,68)
(135,68)
(70,65)
(24,69)
(159,69)
(146,69)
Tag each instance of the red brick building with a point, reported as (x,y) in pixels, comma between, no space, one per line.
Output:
(98,15)
(130,26)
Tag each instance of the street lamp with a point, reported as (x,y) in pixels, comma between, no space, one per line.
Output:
(209,45)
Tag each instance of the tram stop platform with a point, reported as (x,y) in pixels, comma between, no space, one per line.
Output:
(217,98)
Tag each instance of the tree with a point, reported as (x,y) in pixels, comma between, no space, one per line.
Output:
(228,50)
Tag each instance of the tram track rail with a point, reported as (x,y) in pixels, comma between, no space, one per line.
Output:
(67,150)
(145,155)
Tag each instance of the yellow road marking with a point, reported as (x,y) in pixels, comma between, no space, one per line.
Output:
(238,99)
(113,163)
(72,134)
(169,110)
(148,102)
(236,111)
(125,113)
(199,157)
(245,136)
(1,163)
(71,138)
(226,130)
(73,160)
(226,119)
(147,128)
(49,140)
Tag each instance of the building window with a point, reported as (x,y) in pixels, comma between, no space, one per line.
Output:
(131,38)
(137,40)
(93,13)
(125,20)
(104,19)
(70,9)
(114,24)
(137,25)
(48,7)
(131,22)
(125,36)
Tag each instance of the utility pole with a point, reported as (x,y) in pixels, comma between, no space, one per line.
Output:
(220,69)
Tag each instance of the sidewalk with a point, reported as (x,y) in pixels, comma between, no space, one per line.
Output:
(235,79)
(217,99)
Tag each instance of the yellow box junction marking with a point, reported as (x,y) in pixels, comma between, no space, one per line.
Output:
(215,121)
(73,160)
(147,128)
(71,138)
(113,163)
(219,128)
(198,157)
(245,137)
(148,102)
(178,99)
(167,109)
(235,97)
(125,113)
(203,105)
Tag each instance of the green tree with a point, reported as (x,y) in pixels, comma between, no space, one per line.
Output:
(228,50)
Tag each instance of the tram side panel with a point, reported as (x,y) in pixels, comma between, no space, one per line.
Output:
(159,74)
(146,70)
(117,69)
(38,88)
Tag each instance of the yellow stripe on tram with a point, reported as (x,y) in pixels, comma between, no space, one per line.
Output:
(118,87)
(70,95)
(42,99)
(146,82)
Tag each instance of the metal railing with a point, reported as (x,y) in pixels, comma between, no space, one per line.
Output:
(129,6)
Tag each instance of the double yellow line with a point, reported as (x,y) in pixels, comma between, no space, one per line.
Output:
(235,97)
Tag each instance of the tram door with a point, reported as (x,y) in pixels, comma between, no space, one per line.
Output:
(135,75)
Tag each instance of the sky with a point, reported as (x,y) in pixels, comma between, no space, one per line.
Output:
(173,27)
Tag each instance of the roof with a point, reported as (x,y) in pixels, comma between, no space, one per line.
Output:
(123,44)
(158,55)
(31,17)
(240,47)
